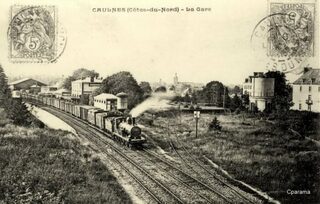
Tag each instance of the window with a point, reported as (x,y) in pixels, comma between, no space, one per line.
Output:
(309,88)
(300,88)
(300,106)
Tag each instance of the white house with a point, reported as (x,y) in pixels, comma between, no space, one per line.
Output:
(84,86)
(106,101)
(260,90)
(306,91)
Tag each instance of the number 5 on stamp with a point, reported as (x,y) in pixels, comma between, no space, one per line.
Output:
(33,34)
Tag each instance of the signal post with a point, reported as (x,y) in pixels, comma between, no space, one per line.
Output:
(196,115)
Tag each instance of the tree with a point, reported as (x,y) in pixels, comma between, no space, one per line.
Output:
(226,97)
(235,103)
(213,93)
(123,82)
(237,90)
(146,88)
(214,124)
(83,73)
(67,82)
(79,74)
(282,100)
(161,89)
(5,92)
(245,100)
(187,98)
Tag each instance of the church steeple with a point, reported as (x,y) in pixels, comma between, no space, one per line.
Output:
(175,79)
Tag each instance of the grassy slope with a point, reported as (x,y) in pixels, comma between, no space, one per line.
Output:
(259,154)
(47,165)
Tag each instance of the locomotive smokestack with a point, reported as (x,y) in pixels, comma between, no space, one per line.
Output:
(133,121)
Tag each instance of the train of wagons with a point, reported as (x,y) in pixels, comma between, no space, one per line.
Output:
(120,128)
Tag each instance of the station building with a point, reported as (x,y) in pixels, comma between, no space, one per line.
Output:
(25,84)
(61,93)
(48,89)
(84,86)
(260,90)
(109,102)
(306,91)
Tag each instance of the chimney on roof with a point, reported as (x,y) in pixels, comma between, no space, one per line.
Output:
(92,79)
(306,69)
(258,74)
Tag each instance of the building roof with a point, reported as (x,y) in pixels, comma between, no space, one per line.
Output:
(105,96)
(24,80)
(60,91)
(310,76)
(88,79)
(122,94)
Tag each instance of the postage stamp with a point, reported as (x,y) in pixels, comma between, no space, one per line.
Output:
(286,36)
(292,30)
(33,34)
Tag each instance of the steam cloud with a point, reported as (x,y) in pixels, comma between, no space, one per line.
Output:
(156,102)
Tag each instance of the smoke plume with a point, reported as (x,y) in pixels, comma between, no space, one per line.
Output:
(156,102)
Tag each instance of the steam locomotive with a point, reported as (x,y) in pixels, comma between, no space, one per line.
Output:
(120,128)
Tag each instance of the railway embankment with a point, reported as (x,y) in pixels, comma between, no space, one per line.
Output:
(43,165)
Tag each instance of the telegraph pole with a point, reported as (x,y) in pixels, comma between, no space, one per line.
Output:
(224,98)
(196,114)
(180,113)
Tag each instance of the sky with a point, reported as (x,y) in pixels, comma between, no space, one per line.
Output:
(198,46)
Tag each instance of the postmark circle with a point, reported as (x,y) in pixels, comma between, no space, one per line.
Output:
(282,42)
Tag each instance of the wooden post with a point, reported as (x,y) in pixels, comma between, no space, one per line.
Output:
(196,127)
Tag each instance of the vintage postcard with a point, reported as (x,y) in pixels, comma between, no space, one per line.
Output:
(115,101)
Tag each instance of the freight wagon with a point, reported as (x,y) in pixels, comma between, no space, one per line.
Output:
(92,115)
(84,112)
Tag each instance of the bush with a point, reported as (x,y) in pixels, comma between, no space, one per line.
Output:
(215,124)
(38,167)
(17,112)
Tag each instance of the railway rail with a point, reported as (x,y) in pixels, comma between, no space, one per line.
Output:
(200,169)
(161,191)
(206,192)
(211,181)
(158,191)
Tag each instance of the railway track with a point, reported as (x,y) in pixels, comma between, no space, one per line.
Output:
(202,173)
(197,190)
(158,191)
(206,192)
